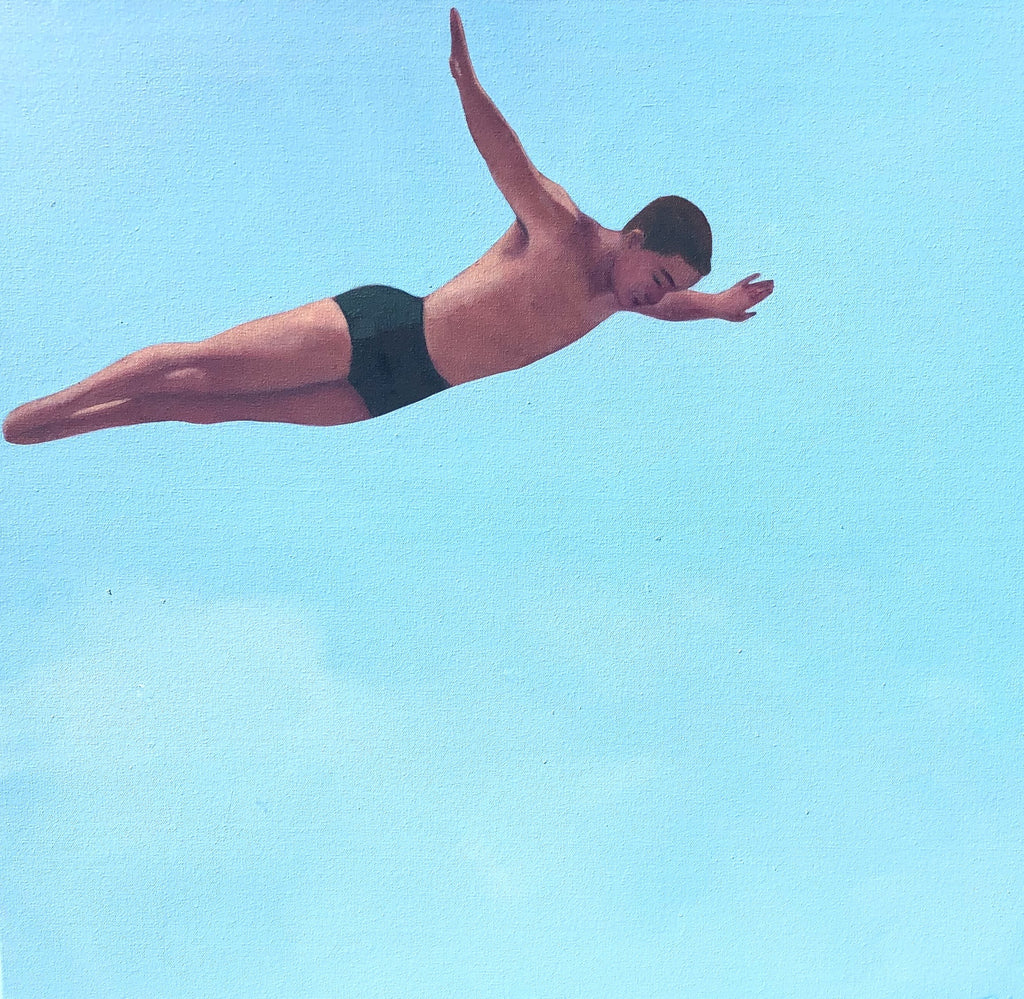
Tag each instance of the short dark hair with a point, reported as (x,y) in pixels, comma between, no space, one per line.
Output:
(675,227)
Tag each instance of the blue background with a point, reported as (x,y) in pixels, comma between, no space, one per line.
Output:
(686,661)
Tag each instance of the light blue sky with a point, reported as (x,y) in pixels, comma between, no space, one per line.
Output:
(686,662)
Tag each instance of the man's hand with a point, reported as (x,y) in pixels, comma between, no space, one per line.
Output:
(733,303)
(459,61)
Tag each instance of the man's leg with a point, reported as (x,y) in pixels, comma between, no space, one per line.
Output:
(314,405)
(305,346)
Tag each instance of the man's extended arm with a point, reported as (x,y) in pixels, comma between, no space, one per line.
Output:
(732,304)
(529,193)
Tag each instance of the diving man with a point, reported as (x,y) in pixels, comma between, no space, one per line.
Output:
(552,277)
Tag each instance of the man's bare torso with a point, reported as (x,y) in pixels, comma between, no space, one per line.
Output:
(531,294)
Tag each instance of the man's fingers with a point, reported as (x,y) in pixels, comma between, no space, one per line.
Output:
(458,62)
(458,34)
(748,282)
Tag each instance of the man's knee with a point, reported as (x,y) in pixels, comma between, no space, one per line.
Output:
(186,368)
(164,367)
(196,378)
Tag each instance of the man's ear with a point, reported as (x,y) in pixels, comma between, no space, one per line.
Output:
(634,239)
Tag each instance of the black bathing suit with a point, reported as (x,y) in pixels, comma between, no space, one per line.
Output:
(390,364)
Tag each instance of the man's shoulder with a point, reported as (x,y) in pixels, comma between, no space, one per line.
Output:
(563,216)
(559,195)
(566,222)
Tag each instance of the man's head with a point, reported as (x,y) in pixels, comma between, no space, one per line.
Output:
(675,227)
(665,247)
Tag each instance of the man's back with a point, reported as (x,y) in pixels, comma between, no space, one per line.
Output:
(535,291)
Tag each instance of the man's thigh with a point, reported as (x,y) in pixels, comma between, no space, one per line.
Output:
(304,346)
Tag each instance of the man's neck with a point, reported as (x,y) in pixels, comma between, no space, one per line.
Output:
(600,273)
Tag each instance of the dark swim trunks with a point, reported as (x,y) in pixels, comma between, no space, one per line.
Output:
(390,364)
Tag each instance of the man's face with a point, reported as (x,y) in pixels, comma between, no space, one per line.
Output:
(641,278)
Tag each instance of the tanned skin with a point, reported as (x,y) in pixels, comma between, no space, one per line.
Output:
(551,278)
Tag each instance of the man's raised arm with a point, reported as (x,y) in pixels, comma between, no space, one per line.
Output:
(733,304)
(529,193)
